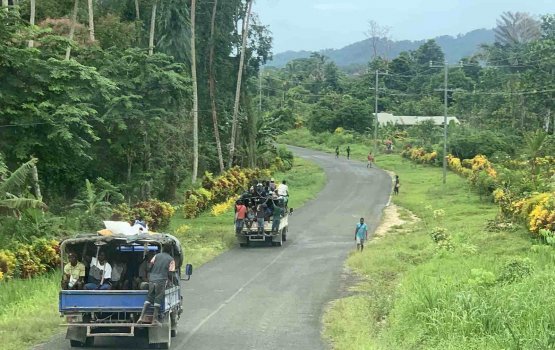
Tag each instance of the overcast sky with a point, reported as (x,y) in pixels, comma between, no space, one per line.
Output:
(320,24)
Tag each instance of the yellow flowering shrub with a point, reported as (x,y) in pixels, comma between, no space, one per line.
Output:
(542,214)
(220,208)
(419,155)
(7,264)
(216,191)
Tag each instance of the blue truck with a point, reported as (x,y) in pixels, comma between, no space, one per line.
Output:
(90,314)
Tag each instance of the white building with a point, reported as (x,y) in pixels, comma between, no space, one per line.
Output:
(409,120)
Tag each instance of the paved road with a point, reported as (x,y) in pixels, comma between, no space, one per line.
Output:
(274,297)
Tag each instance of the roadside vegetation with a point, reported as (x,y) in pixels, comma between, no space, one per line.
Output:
(457,279)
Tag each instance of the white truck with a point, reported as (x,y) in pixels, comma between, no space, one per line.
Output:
(251,233)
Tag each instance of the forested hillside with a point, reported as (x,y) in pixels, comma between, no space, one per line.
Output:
(361,52)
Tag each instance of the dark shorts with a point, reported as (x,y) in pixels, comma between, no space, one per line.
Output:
(156,292)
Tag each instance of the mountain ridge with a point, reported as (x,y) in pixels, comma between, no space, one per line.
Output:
(360,52)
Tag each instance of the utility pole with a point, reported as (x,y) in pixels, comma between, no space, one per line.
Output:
(376,109)
(376,114)
(445,97)
(259,92)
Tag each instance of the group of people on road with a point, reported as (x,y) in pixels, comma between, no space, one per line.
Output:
(264,201)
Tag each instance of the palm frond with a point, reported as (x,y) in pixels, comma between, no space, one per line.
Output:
(17,178)
(17,203)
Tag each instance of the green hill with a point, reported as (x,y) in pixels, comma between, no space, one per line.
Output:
(360,52)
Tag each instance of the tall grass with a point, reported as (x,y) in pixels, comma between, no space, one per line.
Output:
(494,290)
(28,311)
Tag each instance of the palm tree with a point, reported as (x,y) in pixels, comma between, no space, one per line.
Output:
(9,201)
(92,202)
(195,92)
(234,121)
(534,143)
(212,87)
(516,28)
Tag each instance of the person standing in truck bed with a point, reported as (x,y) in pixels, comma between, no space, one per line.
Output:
(162,266)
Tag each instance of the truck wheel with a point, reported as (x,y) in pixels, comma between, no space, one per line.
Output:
(76,343)
(173,319)
(284,234)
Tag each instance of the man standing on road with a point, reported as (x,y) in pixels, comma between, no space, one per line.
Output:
(361,234)
(336,152)
(370,160)
(348,152)
(162,267)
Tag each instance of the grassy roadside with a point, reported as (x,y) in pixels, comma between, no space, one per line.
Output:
(29,308)
(489,291)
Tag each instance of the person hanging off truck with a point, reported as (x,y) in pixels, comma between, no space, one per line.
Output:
(162,272)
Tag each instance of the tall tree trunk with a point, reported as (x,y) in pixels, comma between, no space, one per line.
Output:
(32,20)
(234,122)
(212,87)
(152,27)
(5,3)
(195,92)
(137,13)
(36,185)
(72,28)
(91,21)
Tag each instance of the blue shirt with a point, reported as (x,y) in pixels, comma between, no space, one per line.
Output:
(361,230)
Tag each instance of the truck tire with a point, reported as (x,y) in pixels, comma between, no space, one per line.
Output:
(76,343)
(284,234)
(173,319)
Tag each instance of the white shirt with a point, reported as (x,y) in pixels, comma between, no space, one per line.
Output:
(106,267)
(117,270)
(283,190)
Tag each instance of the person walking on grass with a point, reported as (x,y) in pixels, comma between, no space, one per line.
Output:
(396,185)
(336,152)
(348,152)
(370,160)
(361,234)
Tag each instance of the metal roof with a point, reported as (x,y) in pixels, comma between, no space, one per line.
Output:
(387,118)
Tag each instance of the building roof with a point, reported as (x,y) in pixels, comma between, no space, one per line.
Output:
(387,118)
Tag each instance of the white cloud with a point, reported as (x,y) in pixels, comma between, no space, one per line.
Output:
(335,6)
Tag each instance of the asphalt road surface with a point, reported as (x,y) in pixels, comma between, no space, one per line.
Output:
(264,297)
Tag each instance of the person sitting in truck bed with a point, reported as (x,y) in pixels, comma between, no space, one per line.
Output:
(119,272)
(74,273)
(141,280)
(100,273)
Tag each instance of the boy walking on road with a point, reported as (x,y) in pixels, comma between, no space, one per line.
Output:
(361,234)
(348,152)
(370,160)
(336,152)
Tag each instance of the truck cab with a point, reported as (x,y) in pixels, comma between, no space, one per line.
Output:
(113,311)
